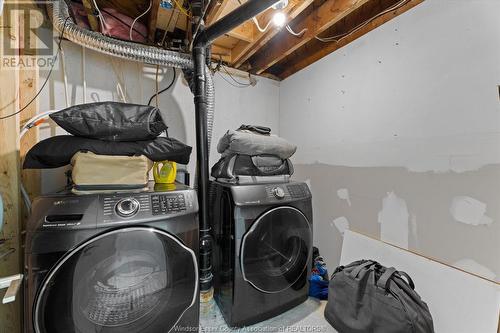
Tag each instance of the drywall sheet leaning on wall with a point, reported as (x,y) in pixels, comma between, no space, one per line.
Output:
(459,302)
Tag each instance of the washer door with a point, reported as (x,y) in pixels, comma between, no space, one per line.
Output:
(127,280)
(276,249)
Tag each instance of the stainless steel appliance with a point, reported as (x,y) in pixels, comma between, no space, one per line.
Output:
(263,237)
(124,262)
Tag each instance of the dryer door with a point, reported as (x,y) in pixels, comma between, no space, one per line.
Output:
(276,249)
(127,280)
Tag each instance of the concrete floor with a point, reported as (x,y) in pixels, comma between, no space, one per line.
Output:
(307,317)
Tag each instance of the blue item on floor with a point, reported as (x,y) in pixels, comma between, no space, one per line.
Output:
(318,282)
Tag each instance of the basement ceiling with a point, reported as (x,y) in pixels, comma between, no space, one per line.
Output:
(313,29)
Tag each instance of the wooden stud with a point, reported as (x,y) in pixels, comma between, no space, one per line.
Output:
(216,11)
(283,44)
(153,18)
(221,53)
(10,314)
(244,32)
(93,21)
(28,87)
(317,50)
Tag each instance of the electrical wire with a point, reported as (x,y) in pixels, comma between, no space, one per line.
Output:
(138,17)
(182,9)
(101,17)
(232,77)
(339,37)
(157,85)
(46,79)
(165,89)
(296,34)
(259,27)
(234,85)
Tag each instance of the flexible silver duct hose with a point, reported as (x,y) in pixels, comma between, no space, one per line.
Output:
(131,51)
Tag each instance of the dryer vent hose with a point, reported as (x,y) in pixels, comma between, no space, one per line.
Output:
(130,51)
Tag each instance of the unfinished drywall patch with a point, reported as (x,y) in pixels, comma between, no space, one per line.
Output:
(341,223)
(472,266)
(432,231)
(469,211)
(393,219)
(343,194)
(421,105)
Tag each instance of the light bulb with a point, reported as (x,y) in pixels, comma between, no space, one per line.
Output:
(279,19)
(280,4)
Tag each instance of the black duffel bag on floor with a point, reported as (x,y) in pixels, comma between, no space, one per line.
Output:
(365,296)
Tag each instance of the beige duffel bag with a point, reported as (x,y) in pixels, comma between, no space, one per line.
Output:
(93,172)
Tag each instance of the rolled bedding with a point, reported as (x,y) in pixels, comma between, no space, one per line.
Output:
(111,121)
(244,143)
(57,151)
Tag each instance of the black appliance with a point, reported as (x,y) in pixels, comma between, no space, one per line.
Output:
(123,262)
(263,236)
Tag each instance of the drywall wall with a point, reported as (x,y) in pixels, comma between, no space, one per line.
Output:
(234,106)
(459,302)
(398,134)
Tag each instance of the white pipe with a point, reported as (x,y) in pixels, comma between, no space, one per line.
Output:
(65,77)
(84,75)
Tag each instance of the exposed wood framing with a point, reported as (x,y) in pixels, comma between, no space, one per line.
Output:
(316,50)
(10,314)
(28,87)
(153,18)
(242,51)
(216,11)
(283,44)
(244,32)
(89,8)
(221,53)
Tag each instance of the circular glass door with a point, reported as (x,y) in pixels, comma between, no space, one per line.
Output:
(276,249)
(126,280)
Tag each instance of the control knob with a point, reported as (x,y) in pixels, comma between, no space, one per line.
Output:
(278,192)
(127,207)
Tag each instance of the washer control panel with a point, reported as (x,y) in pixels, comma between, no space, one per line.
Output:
(279,192)
(168,203)
(286,192)
(127,207)
(298,191)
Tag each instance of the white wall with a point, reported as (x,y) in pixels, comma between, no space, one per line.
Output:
(406,121)
(418,92)
(234,106)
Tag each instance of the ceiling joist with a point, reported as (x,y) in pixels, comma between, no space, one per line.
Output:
(275,52)
(243,51)
(316,50)
(283,44)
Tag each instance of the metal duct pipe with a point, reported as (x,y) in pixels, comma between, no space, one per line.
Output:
(202,42)
(157,56)
(128,50)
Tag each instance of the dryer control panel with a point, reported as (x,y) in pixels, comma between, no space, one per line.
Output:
(287,192)
(168,203)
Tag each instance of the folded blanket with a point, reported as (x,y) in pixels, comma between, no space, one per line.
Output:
(57,151)
(238,142)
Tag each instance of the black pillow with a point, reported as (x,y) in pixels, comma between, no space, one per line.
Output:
(111,121)
(57,151)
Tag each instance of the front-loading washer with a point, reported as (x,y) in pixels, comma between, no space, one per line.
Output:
(123,262)
(263,236)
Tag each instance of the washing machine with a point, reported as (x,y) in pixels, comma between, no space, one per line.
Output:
(263,237)
(109,263)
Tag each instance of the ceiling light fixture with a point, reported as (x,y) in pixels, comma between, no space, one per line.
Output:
(280,5)
(279,19)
